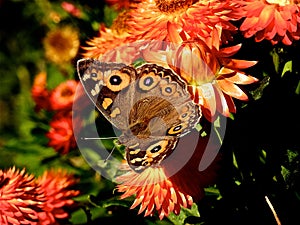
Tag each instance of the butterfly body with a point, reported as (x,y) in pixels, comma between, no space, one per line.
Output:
(149,104)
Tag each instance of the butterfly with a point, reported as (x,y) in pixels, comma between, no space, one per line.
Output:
(149,104)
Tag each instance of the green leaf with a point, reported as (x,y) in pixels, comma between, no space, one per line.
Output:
(258,92)
(288,66)
(276,59)
(297,91)
(105,203)
(109,15)
(184,213)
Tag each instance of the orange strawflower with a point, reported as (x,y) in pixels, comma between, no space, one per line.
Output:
(57,186)
(149,20)
(154,191)
(273,20)
(21,199)
(211,75)
(108,39)
(61,133)
(177,182)
(39,92)
(62,96)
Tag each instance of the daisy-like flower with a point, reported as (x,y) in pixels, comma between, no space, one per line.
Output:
(61,44)
(149,20)
(211,75)
(159,189)
(57,186)
(153,190)
(39,92)
(62,97)
(61,134)
(21,199)
(273,20)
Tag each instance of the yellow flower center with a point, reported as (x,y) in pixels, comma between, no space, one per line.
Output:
(280,2)
(171,6)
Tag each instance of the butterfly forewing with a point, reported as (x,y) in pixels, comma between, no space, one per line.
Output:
(103,82)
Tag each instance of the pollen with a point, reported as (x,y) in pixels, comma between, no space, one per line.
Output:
(171,6)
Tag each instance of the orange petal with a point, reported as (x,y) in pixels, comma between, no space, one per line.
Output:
(232,89)
(265,17)
(221,102)
(229,51)
(240,78)
(280,23)
(173,32)
(249,23)
(237,63)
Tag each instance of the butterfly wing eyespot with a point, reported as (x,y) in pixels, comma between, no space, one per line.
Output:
(148,81)
(168,89)
(153,153)
(117,81)
(157,149)
(177,129)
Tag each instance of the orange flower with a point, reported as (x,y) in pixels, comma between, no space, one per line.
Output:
(211,75)
(274,20)
(56,186)
(161,188)
(20,197)
(61,134)
(153,191)
(39,92)
(108,39)
(149,20)
(62,96)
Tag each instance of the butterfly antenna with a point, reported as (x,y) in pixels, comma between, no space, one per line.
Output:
(109,155)
(97,138)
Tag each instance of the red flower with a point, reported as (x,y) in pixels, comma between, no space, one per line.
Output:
(62,96)
(56,186)
(71,8)
(176,183)
(274,20)
(39,92)
(21,199)
(61,135)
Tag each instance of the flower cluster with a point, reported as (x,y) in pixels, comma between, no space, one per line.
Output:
(60,101)
(193,34)
(193,38)
(273,20)
(188,37)
(25,199)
